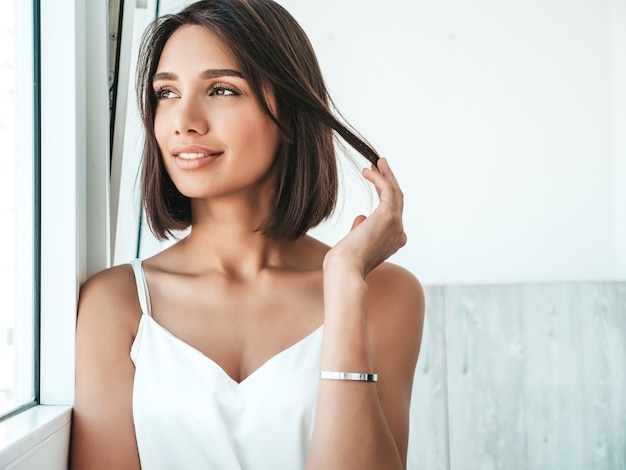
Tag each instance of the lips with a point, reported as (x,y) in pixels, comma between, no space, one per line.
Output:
(194,152)
(194,157)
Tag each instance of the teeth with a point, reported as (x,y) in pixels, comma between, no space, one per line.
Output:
(192,156)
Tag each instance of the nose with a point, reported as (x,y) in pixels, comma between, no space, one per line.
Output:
(190,117)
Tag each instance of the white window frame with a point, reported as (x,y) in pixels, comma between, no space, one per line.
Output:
(75,240)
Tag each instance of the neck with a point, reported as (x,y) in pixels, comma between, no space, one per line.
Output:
(225,235)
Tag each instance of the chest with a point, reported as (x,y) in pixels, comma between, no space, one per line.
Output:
(239,326)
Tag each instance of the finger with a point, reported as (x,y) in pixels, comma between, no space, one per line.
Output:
(385,170)
(382,169)
(388,174)
(386,184)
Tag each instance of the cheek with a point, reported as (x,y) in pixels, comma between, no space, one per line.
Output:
(260,133)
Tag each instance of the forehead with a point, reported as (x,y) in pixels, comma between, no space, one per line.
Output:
(193,47)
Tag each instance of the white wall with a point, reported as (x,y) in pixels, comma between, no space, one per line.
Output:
(504,121)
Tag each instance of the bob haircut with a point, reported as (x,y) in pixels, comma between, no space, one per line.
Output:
(275,56)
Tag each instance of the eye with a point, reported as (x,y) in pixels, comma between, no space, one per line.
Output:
(222,89)
(164,94)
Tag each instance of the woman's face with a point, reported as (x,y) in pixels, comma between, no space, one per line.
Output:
(215,139)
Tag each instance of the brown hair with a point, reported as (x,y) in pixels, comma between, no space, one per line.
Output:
(274,54)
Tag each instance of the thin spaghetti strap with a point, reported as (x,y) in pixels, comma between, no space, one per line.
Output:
(142,287)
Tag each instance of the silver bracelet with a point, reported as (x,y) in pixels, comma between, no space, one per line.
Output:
(358,376)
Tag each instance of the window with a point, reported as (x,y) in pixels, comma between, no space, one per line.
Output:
(69,134)
(18,299)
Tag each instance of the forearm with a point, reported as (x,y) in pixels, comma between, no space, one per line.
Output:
(351,430)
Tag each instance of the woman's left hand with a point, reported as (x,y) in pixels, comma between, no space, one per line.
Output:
(373,239)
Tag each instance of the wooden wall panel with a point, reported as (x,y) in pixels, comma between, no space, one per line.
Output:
(487,413)
(554,318)
(603,342)
(428,439)
(522,377)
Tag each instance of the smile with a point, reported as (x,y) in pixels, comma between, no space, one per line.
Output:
(194,160)
(193,156)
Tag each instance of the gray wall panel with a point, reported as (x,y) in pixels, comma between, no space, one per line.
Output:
(526,376)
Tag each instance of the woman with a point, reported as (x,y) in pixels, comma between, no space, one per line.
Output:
(247,344)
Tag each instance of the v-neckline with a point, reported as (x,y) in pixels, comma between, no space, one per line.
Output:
(218,367)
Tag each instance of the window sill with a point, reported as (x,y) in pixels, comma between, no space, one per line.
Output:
(35,435)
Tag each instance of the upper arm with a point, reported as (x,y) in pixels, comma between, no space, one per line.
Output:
(395,322)
(103,433)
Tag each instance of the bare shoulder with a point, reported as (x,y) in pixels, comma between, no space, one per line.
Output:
(395,309)
(395,320)
(108,318)
(396,294)
(110,297)
(118,280)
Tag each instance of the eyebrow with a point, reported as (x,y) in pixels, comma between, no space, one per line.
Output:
(207,74)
